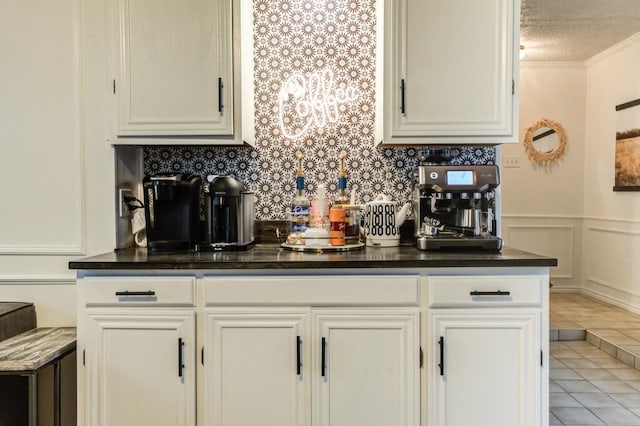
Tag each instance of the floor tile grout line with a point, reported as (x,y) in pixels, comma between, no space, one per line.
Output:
(616,333)
(596,411)
(603,343)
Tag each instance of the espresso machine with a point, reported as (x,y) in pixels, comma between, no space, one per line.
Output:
(229,215)
(455,207)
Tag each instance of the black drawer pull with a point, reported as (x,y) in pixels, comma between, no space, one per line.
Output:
(323,361)
(402,97)
(220,93)
(441,365)
(490,293)
(298,355)
(180,361)
(136,293)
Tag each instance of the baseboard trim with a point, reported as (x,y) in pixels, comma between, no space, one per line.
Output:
(566,289)
(41,280)
(607,299)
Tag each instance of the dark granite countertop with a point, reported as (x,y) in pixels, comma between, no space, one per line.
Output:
(272,256)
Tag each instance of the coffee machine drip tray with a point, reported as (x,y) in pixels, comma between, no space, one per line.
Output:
(458,243)
(211,247)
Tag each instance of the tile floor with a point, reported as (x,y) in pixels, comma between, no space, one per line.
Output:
(587,386)
(610,328)
(575,311)
(591,383)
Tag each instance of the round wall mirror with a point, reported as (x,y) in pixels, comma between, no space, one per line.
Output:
(545,141)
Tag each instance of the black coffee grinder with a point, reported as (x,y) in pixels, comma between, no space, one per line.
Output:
(172,211)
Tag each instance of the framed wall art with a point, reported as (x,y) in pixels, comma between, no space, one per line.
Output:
(627,170)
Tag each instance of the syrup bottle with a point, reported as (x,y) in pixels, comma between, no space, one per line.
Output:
(300,204)
(342,198)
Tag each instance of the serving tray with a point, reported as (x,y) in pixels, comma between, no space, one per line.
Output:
(323,248)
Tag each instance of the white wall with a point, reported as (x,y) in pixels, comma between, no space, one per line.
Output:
(611,247)
(56,170)
(569,210)
(542,206)
(55,167)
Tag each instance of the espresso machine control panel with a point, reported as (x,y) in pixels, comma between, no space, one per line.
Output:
(458,178)
(455,207)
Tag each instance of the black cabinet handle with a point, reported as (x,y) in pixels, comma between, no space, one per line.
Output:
(489,293)
(136,293)
(180,362)
(298,360)
(402,97)
(324,355)
(441,365)
(220,92)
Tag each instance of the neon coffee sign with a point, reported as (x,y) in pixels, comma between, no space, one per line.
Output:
(309,100)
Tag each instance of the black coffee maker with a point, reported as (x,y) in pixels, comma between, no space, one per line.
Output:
(172,211)
(229,210)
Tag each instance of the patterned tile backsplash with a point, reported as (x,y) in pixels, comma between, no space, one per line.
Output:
(301,37)
(271,174)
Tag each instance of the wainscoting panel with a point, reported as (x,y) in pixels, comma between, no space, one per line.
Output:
(55,299)
(557,237)
(612,261)
(555,241)
(41,163)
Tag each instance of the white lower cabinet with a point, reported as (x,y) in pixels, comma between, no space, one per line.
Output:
(140,367)
(486,369)
(366,368)
(256,368)
(486,350)
(286,367)
(313,349)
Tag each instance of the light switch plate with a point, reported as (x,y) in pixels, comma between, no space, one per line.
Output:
(512,161)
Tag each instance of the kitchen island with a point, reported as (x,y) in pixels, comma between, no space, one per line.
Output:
(381,336)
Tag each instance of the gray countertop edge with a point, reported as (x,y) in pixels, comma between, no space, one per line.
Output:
(36,348)
(272,257)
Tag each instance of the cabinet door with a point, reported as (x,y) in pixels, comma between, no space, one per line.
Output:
(141,368)
(484,369)
(257,367)
(366,368)
(450,71)
(174,67)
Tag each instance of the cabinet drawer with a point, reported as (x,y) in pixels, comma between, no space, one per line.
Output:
(139,290)
(508,290)
(334,290)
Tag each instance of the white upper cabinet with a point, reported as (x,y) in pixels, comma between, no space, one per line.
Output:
(173,71)
(451,71)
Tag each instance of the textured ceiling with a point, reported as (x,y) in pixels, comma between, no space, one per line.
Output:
(575,30)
